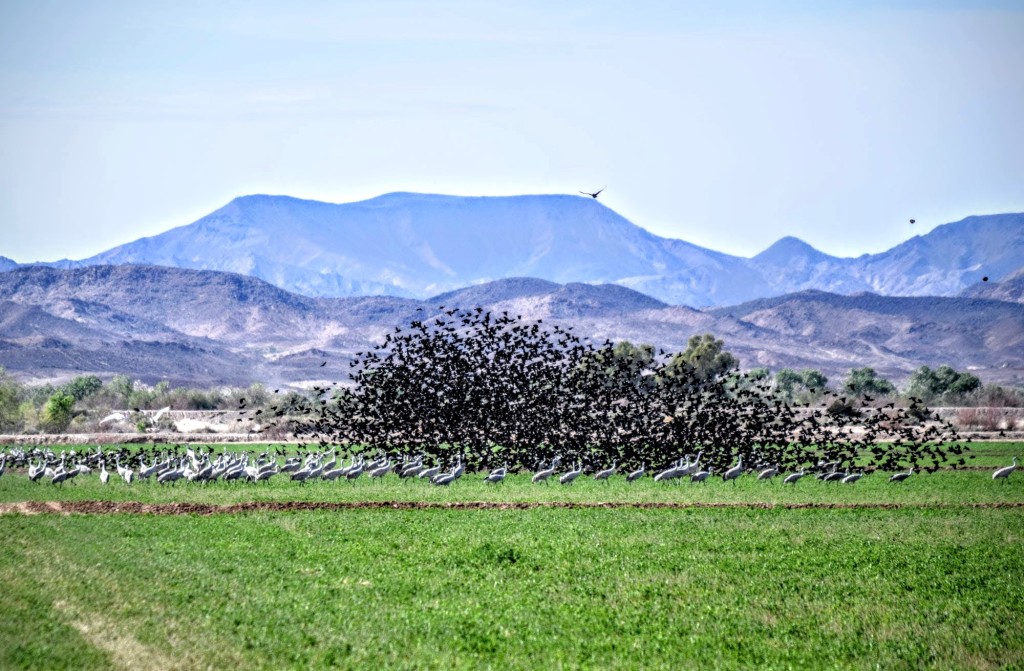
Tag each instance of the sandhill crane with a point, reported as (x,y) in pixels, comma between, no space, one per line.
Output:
(543,475)
(315,472)
(734,472)
(127,475)
(354,472)
(835,476)
(825,469)
(3,464)
(333,474)
(104,474)
(496,476)
(36,472)
(768,473)
(302,476)
(429,473)
(444,479)
(413,469)
(900,477)
(606,473)
(332,463)
(381,471)
(146,471)
(233,473)
(700,476)
(689,468)
(637,474)
(267,473)
(793,477)
(669,473)
(171,476)
(852,478)
(1005,471)
(568,477)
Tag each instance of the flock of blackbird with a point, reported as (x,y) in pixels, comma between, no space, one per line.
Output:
(485,390)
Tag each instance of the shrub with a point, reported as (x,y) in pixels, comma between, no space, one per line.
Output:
(58,412)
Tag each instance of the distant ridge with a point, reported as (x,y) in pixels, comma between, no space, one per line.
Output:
(419,245)
(210,327)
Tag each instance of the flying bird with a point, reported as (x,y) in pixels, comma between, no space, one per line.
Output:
(985,278)
(595,194)
(913,221)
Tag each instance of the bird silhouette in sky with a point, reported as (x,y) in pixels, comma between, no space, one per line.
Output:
(595,194)
(913,221)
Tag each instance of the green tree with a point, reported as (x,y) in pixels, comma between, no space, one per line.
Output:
(758,374)
(788,382)
(83,386)
(791,383)
(58,412)
(630,358)
(814,380)
(10,402)
(707,356)
(927,383)
(865,380)
(122,387)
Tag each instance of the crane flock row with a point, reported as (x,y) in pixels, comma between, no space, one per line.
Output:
(168,466)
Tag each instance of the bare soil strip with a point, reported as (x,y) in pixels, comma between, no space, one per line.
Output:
(137,508)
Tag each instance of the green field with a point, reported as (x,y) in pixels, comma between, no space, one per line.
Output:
(933,585)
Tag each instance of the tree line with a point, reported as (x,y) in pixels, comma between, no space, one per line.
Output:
(76,405)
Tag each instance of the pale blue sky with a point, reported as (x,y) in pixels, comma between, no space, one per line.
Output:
(728,126)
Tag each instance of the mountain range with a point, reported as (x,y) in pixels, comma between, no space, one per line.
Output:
(202,327)
(420,245)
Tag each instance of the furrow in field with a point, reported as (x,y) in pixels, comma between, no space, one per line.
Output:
(135,507)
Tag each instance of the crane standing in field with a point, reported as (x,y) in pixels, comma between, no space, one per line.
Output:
(792,478)
(1005,471)
(543,475)
(701,476)
(900,477)
(637,474)
(734,472)
(606,473)
(852,478)
(570,476)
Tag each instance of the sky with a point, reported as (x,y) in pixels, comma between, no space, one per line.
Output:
(727,124)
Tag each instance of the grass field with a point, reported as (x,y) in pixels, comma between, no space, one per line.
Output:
(933,585)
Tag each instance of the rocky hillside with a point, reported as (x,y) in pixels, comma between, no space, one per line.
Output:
(207,327)
(1011,288)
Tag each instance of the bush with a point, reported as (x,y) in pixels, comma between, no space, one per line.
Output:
(864,381)
(11,394)
(58,412)
(982,419)
(83,386)
(841,408)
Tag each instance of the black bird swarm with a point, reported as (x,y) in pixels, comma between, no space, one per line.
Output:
(489,390)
